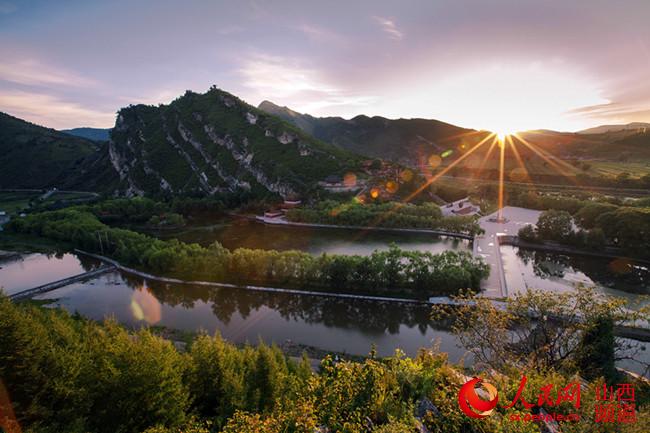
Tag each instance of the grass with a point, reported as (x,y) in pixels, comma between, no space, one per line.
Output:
(14,202)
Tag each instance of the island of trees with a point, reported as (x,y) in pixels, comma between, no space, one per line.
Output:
(396,272)
(387,214)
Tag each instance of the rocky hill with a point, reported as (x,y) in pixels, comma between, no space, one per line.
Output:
(32,156)
(215,143)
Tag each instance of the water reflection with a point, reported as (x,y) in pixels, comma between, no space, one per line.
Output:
(560,272)
(242,233)
(370,317)
(32,270)
(344,325)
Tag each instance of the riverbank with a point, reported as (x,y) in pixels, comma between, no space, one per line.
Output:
(553,247)
(149,276)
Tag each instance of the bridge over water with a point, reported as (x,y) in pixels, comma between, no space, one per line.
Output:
(29,293)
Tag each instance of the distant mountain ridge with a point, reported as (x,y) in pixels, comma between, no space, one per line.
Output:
(213,143)
(407,141)
(602,129)
(95,134)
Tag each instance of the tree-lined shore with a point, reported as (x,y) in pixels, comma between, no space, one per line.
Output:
(410,273)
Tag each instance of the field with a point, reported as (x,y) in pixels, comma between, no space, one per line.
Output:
(14,202)
(613,169)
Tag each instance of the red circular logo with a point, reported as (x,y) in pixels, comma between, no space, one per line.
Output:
(471,404)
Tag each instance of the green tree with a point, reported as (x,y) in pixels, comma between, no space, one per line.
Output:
(554,225)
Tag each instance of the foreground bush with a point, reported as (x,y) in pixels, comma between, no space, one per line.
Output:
(66,374)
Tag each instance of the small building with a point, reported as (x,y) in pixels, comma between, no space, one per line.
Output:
(273,214)
(4,218)
(334,180)
(462,207)
(290,204)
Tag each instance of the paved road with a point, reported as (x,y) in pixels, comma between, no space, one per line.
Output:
(487,246)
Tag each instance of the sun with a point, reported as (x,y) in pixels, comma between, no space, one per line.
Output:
(502,133)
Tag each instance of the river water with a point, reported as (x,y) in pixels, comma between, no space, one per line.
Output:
(341,325)
(243,233)
(555,272)
(335,324)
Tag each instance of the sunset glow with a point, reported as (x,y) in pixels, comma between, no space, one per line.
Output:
(489,69)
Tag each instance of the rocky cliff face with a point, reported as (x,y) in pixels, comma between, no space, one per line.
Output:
(213,143)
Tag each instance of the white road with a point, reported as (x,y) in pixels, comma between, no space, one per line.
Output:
(487,246)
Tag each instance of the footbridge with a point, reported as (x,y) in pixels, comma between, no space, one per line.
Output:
(29,293)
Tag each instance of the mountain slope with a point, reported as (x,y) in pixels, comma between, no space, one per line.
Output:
(32,156)
(408,141)
(214,142)
(635,146)
(634,127)
(95,134)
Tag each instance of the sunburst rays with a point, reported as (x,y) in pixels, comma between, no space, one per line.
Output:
(508,144)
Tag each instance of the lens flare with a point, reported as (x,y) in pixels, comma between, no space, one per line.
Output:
(145,306)
(435,161)
(350,179)
(8,421)
(406,175)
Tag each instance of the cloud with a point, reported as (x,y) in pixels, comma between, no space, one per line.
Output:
(33,72)
(388,26)
(53,112)
(348,102)
(320,34)
(614,112)
(287,82)
(274,76)
(163,95)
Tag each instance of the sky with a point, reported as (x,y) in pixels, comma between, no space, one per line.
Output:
(500,65)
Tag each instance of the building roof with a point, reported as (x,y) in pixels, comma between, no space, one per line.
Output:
(465,210)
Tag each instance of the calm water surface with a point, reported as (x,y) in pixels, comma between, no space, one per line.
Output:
(559,272)
(33,270)
(241,233)
(343,325)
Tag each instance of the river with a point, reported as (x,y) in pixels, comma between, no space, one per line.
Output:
(340,325)
(243,233)
(558,272)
